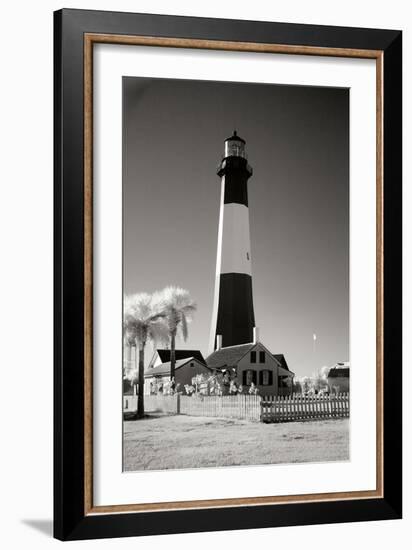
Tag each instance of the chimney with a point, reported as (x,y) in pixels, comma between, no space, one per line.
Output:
(255,335)
(218,341)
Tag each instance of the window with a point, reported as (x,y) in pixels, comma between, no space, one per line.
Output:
(262,356)
(253,356)
(282,382)
(249,376)
(266,378)
(192,364)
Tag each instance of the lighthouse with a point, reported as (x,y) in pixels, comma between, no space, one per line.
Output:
(233,317)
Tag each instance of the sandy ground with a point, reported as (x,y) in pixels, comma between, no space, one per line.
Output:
(171,442)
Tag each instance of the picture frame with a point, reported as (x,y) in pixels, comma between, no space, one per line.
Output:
(76,32)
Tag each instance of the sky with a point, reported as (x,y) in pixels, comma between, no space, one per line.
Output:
(297,140)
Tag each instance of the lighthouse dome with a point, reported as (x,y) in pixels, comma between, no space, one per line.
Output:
(235,137)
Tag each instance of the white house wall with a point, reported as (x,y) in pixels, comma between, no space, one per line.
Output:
(269,364)
(183,375)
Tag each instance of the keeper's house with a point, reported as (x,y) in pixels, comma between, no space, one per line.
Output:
(189,363)
(338,378)
(253,362)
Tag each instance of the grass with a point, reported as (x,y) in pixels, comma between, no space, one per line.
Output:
(176,442)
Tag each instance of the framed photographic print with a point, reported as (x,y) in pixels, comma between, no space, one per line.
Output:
(227,274)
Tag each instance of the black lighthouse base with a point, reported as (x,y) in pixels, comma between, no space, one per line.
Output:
(235,317)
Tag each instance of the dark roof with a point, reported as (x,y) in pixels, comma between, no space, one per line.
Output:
(164,354)
(227,357)
(340,370)
(281,358)
(235,137)
(164,368)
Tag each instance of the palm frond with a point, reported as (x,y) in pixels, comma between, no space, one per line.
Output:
(157,316)
(177,307)
(143,318)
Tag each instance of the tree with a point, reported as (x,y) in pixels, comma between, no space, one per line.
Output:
(306,384)
(177,306)
(320,379)
(142,321)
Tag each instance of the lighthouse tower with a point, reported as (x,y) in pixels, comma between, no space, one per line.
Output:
(233,317)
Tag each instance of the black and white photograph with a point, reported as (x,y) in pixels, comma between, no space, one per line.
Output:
(235,274)
(205,275)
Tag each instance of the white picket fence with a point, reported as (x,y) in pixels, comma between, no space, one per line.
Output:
(167,404)
(247,407)
(242,407)
(304,407)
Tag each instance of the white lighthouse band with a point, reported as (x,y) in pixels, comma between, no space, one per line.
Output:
(235,235)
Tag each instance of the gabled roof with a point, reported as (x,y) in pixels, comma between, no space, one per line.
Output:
(227,357)
(164,354)
(230,356)
(164,368)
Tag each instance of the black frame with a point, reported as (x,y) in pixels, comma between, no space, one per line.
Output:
(70,522)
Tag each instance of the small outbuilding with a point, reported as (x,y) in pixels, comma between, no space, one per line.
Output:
(338,378)
(157,375)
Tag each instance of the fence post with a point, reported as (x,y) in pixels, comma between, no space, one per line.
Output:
(178,403)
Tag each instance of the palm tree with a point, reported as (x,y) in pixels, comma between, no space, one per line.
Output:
(142,321)
(178,307)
